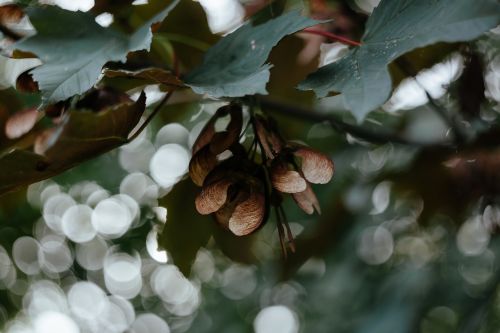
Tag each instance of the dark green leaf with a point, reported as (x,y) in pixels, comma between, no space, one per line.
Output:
(235,66)
(82,135)
(396,27)
(74,48)
(237,248)
(185,231)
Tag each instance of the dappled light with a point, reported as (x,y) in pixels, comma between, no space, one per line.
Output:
(249,166)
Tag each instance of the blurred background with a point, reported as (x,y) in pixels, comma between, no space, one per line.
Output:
(407,240)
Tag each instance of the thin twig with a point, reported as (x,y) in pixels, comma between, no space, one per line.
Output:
(281,233)
(291,242)
(460,137)
(151,116)
(332,36)
(245,129)
(377,137)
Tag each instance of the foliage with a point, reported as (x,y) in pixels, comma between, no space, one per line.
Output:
(362,75)
(234,67)
(403,238)
(79,136)
(73,57)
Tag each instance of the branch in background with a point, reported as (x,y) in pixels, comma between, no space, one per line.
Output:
(460,136)
(377,137)
(332,36)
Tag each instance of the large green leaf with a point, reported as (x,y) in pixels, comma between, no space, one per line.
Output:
(394,28)
(74,48)
(235,66)
(82,135)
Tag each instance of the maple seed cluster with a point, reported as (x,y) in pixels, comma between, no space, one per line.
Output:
(239,190)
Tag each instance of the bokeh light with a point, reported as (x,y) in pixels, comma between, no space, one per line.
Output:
(276,319)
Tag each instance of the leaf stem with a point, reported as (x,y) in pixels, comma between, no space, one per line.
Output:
(332,36)
(150,117)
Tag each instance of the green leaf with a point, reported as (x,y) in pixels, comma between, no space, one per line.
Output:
(74,48)
(81,136)
(235,66)
(394,28)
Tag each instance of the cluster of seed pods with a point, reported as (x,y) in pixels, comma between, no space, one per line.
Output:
(239,186)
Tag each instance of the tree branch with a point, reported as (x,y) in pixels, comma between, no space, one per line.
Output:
(407,68)
(377,137)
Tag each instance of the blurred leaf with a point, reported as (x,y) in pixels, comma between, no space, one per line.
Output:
(283,81)
(236,248)
(13,103)
(166,79)
(81,136)
(235,66)
(463,178)
(185,231)
(74,48)
(261,15)
(10,13)
(396,27)
(188,25)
